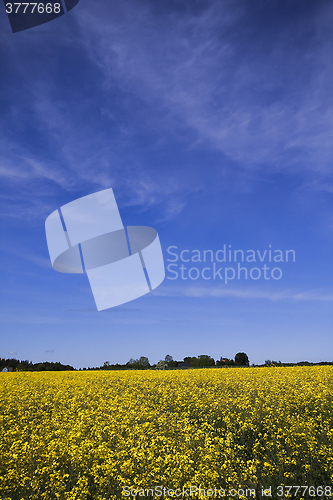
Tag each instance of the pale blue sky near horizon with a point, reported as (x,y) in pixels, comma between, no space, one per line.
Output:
(213,123)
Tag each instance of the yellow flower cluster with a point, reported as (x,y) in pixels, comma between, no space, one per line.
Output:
(86,435)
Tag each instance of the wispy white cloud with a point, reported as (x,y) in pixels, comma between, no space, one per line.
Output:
(270,107)
(205,77)
(81,158)
(245,293)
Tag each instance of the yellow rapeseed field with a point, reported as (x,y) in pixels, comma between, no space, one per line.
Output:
(88,435)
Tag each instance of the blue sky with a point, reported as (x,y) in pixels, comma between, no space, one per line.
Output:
(213,123)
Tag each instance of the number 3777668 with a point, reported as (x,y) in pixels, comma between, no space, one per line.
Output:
(33,8)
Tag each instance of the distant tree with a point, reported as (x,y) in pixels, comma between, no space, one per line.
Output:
(161,365)
(205,360)
(171,363)
(242,359)
(138,364)
(225,362)
(200,361)
(143,362)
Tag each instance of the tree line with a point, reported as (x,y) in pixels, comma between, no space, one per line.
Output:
(142,363)
(28,366)
(201,361)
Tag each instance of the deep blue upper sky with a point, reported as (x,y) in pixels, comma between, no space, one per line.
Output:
(213,123)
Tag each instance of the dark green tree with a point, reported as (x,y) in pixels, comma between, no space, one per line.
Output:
(225,362)
(242,359)
(143,362)
(138,364)
(171,363)
(205,360)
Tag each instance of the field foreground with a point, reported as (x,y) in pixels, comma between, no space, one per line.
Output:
(86,435)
